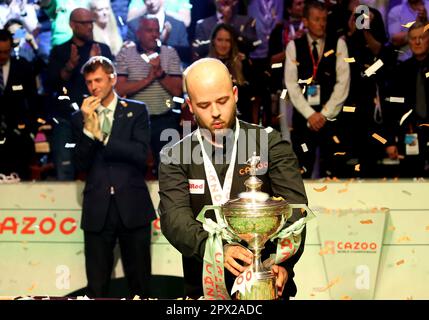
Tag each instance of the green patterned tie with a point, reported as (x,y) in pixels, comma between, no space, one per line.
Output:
(106,127)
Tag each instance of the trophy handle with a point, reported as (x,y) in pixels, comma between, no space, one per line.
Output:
(310,213)
(202,215)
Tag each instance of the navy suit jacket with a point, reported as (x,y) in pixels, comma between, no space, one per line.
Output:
(178,38)
(120,164)
(244,27)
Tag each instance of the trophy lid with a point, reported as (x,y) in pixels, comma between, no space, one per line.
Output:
(253,198)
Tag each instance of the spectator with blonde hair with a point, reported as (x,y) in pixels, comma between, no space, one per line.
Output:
(105,27)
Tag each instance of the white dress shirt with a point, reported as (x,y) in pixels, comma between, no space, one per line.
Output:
(341,89)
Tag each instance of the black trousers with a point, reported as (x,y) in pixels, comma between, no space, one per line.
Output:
(135,253)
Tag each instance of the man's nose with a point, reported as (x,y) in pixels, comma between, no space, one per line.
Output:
(215,110)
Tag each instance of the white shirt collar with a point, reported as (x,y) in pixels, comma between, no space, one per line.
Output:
(111,106)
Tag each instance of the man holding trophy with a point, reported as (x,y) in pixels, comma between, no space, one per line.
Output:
(210,166)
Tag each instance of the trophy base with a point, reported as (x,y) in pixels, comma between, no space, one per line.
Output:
(264,288)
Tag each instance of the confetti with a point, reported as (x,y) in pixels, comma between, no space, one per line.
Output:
(322,189)
(349,109)
(55,120)
(123,103)
(328,53)
(33,286)
(306,81)
(427,74)
(346,298)
(343,190)
(426,28)
(405,116)
(424,125)
(242,28)
(41,121)
(379,138)
(408,25)
(65,90)
(404,239)
(136,297)
(304,147)
(391,228)
(357,167)
(70,145)
(330,284)
(335,138)
(373,69)
(283,95)
(427,228)
(253,23)
(395,99)
(178,99)
(276,65)
(369,221)
(406,192)
(349,60)
(398,263)
(75,106)
(145,57)
(257,42)
(339,154)
(3,141)
(21,126)
(63,98)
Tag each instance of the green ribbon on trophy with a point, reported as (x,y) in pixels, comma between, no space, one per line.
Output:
(213,268)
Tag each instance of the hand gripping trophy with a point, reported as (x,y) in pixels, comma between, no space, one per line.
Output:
(255,218)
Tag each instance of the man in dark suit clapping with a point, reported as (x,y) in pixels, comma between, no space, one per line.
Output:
(112,139)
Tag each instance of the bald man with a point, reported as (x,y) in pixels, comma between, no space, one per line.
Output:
(185,189)
(64,66)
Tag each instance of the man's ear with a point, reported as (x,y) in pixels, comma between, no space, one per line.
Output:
(235,91)
(113,79)
(305,21)
(188,102)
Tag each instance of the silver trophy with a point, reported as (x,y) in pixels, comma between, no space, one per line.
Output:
(255,217)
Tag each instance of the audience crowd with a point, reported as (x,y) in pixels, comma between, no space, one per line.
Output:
(346,81)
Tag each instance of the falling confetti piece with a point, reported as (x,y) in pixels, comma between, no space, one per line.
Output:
(43,196)
(328,53)
(322,189)
(369,221)
(283,95)
(427,228)
(405,116)
(343,190)
(136,297)
(349,109)
(303,89)
(306,81)
(241,28)
(373,68)
(330,284)
(392,228)
(395,99)
(21,126)
(424,125)
(75,106)
(408,25)
(379,138)
(70,145)
(65,90)
(398,263)
(404,239)
(349,60)
(123,103)
(178,99)
(3,141)
(295,62)
(406,192)
(427,74)
(339,154)
(276,65)
(426,28)
(257,43)
(41,121)
(33,286)
(357,167)
(346,298)
(304,147)
(337,141)
(253,23)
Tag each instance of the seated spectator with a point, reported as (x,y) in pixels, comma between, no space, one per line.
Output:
(17,111)
(400,15)
(178,9)
(407,138)
(223,46)
(172,31)
(105,28)
(120,10)
(225,13)
(20,10)
(151,73)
